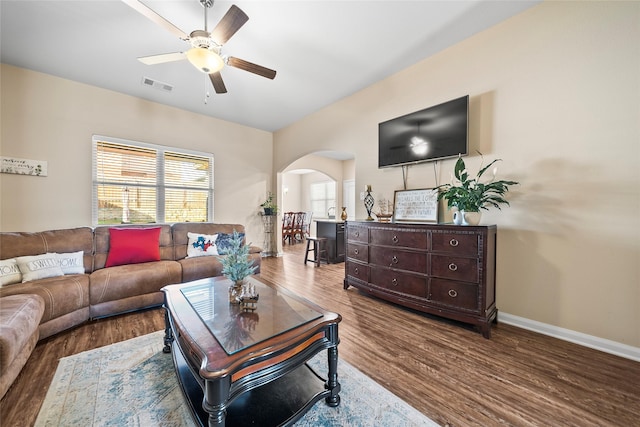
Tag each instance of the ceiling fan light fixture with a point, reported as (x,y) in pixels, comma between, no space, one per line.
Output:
(205,60)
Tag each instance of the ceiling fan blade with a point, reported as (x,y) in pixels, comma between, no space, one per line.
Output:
(251,67)
(162,58)
(218,84)
(229,24)
(153,16)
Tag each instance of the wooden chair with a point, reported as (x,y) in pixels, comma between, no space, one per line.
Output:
(288,219)
(306,225)
(298,226)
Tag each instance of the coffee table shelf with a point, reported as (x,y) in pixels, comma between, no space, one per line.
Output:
(301,388)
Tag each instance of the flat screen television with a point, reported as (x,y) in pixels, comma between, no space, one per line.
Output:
(437,132)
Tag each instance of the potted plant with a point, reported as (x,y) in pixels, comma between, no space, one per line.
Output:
(269,206)
(469,195)
(236,265)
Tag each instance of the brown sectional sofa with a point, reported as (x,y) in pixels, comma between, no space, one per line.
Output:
(73,299)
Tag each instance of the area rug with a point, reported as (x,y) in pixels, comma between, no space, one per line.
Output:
(132,383)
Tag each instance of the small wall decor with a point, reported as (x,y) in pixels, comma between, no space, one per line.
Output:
(23,166)
(416,205)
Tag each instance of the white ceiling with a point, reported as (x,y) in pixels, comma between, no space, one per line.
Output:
(322,50)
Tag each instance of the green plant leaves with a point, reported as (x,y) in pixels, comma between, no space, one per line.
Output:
(471,195)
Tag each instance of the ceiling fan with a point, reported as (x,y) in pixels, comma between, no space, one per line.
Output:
(206,47)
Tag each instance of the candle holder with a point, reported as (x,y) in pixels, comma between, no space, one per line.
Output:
(368,203)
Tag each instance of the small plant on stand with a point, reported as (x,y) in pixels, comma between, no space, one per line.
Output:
(237,265)
(269,206)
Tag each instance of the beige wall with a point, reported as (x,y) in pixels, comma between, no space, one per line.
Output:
(555,93)
(48,118)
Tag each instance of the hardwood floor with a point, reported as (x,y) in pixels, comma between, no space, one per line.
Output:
(444,369)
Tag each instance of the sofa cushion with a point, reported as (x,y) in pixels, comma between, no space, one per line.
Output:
(19,319)
(223,242)
(133,246)
(200,268)
(37,267)
(102,237)
(9,272)
(180,232)
(15,244)
(126,283)
(62,295)
(201,245)
(71,263)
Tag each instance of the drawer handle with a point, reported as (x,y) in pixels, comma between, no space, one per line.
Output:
(394,282)
(395,239)
(453,293)
(357,234)
(453,267)
(454,242)
(394,260)
(355,251)
(355,270)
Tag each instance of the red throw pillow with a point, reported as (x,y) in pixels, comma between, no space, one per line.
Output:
(133,245)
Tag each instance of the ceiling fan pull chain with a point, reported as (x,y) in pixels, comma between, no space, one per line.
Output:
(206,90)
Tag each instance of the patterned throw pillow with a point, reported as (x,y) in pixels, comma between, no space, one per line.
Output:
(201,245)
(224,242)
(39,267)
(72,262)
(9,272)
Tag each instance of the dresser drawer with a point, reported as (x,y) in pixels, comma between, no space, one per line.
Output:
(358,252)
(400,238)
(456,268)
(402,260)
(454,294)
(358,271)
(398,282)
(455,243)
(357,234)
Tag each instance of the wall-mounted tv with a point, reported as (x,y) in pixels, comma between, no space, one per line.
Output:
(437,132)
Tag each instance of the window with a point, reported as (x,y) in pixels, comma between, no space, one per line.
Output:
(143,183)
(323,197)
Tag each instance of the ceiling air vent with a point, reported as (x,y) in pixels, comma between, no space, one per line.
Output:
(166,87)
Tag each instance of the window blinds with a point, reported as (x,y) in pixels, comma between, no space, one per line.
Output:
(143,183)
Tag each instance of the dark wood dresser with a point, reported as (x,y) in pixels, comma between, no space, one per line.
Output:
(445,270)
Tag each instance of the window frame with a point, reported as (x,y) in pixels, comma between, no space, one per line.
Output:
(160,185)
(326,201)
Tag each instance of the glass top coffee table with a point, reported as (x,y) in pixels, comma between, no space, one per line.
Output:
(248,368)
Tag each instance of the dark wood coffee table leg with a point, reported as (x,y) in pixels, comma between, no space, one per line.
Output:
(168,333)
(333,385)
(216,396)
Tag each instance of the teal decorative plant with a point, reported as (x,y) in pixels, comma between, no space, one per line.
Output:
(236,263)
(470,194)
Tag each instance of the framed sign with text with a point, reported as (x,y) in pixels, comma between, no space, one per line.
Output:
(23,166)
(415,205)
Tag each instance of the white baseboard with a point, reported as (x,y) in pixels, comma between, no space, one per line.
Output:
(590,341)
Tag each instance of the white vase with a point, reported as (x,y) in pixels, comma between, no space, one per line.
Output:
(457,217)
(471,218)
